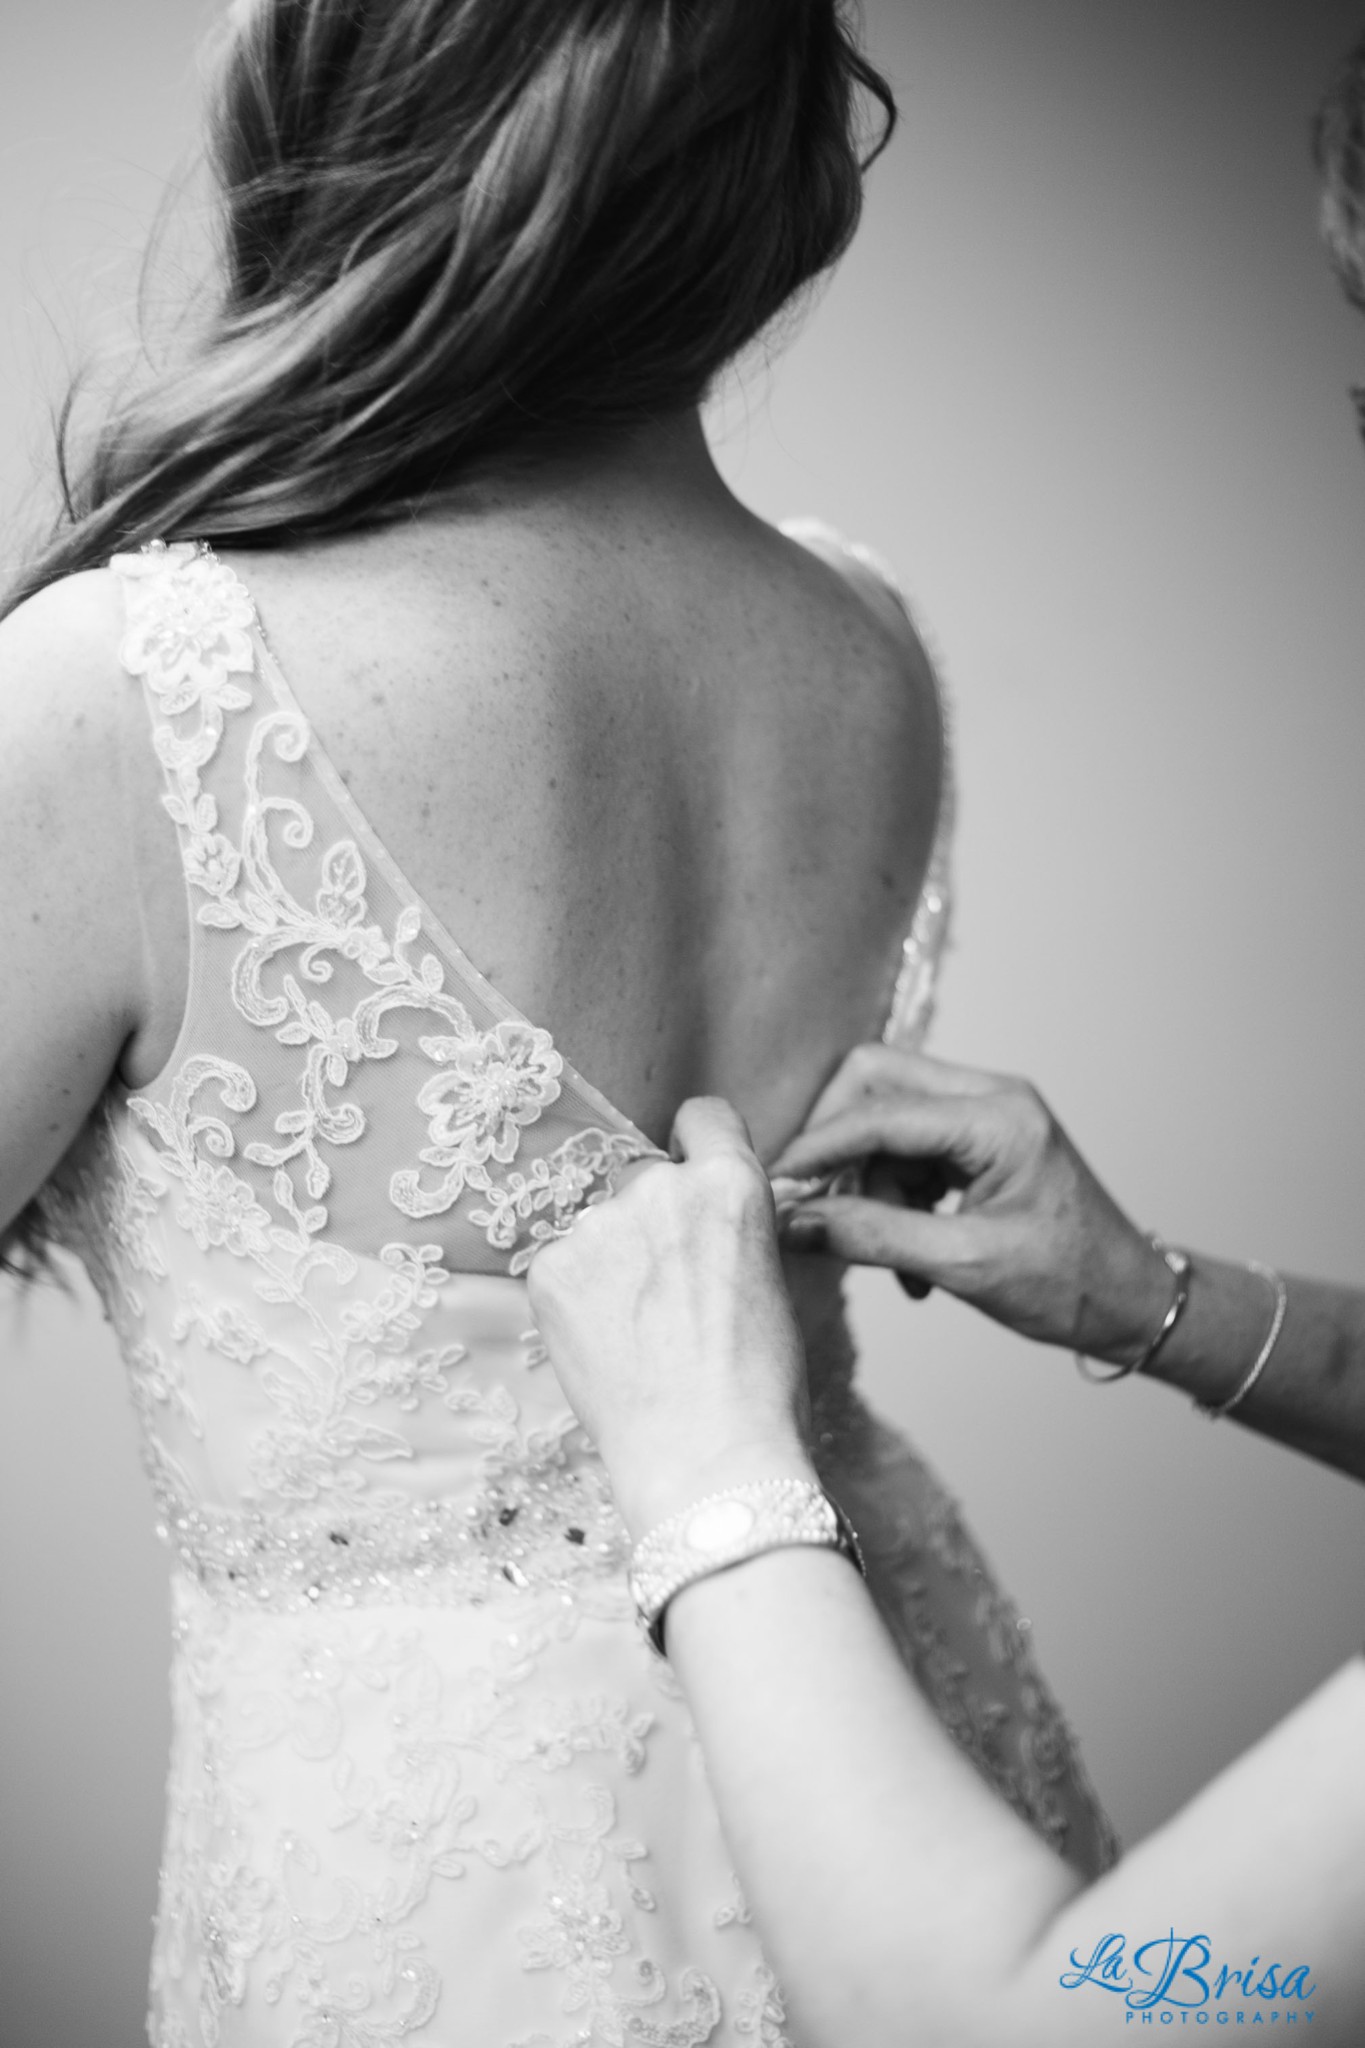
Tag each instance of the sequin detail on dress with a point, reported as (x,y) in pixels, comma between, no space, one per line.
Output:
(427,1786)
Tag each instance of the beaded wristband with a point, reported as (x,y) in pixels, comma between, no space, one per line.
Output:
(1178,1265)
(728,1528)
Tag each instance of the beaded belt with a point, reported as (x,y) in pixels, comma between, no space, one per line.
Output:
(553,1527)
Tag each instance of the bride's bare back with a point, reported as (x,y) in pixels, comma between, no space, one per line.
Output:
(669,778)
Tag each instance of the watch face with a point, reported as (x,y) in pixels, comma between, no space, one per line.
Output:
(717,1525)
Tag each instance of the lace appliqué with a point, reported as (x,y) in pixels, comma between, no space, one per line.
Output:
(487,1777)
(411,1704)
(761,2016)
(189,637)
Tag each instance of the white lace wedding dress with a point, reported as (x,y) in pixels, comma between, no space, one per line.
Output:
(428,1784)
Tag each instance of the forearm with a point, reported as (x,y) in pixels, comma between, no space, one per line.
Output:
(893,1890)
(900,1899)
(1267,1862)
(1038,1243)
(1311,1395)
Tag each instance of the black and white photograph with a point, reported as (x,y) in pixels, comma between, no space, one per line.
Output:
(682,1030)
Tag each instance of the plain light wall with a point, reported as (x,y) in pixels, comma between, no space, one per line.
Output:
(1084,378)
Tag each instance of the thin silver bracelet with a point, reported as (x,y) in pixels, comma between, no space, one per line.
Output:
(1178,1266)
(1217,1409)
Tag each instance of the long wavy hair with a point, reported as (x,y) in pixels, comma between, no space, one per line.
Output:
(1339,152)
(458,235)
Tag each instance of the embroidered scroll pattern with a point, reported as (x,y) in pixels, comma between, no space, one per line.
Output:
(190,639)
(405,1711)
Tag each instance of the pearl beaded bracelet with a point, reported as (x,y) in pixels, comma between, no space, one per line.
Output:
(727,1528)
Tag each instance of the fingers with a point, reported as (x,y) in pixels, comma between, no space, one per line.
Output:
(954,1128)
(707,1127)
(633,1170)
(706,1132)
(918,1290)
(875,1069)
(917,1245)
(909,1183)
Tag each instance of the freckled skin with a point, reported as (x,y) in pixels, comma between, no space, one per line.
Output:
(670,779)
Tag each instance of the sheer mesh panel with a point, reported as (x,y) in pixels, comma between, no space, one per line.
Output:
(365,1078)
(361,1075)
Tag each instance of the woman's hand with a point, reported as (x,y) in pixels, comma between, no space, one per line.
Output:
(671,1329)
(889,1881)
(1035,1241)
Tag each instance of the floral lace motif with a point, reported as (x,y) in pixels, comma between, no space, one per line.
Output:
(485,1779)
(762,2015)
(427,1785)
(190,639)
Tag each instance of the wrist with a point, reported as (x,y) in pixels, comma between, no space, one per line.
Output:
(1230,1310)
(651,1485)
(1124,1312)
(730,1527)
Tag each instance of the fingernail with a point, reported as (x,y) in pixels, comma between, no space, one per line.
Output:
(808,1233)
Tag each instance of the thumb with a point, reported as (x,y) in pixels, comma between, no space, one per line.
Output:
(707,1127)
(915,1242)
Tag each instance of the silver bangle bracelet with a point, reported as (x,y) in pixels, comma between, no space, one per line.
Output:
(1178,1266)
(1217,1409)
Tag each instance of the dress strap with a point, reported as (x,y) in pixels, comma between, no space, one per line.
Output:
(188,637)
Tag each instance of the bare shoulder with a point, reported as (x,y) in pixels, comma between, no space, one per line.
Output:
(859,570)
(887,675)
(854,580)
(70,928)
(77,611)
(59,660)
(64,710)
